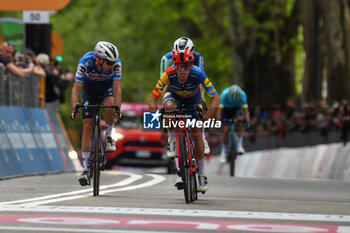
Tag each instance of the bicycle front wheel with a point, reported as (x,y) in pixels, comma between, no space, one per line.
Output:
(184,165)
(232,156)
(96,162)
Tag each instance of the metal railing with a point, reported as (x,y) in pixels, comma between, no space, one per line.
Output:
(20,92)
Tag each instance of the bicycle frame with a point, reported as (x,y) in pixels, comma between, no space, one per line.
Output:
(97,148)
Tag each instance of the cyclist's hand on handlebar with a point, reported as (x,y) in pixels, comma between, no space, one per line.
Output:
(118,115)
(75,114)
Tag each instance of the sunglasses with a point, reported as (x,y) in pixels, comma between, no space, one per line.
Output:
(108,62)
(186,66)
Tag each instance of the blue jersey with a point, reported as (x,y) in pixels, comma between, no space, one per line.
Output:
(186,90)
(88,74)
(167,61)
(227,102)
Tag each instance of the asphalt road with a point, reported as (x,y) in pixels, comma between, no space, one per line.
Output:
(137,200)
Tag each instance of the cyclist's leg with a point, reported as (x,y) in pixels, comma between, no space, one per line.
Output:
(199,144)
(225,130)
(239,131)
(226,115)
(109,118)
(88,125)
(170,103)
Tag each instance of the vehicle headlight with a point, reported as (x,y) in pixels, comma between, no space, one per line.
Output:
(72,154)
(117,136)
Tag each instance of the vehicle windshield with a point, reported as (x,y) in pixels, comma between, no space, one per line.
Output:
(134,122)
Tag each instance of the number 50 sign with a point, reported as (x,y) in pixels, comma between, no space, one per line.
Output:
(36,17)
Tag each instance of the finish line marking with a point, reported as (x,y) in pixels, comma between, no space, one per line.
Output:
(178,212)
(174,224)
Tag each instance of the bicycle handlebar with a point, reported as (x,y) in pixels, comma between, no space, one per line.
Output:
(78,106)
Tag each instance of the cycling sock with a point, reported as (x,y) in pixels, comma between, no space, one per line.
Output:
(171,134)
(201,169)
(223,148)
(239,142)
(109,130)
(86,157)
(177,163)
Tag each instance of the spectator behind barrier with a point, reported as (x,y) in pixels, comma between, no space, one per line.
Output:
(7,53)
(56,81)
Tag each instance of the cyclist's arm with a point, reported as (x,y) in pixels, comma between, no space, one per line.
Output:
(219,112)
(210,89)
(157,91)
(244,103)
(75,93)
(152,103)
(246,114)
(214,103)
(117,90)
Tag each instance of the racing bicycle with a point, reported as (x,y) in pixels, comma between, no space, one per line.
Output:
(98,157)
(231,147)
(187,160)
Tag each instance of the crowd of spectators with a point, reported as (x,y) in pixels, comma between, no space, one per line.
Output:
(313,117)
(27,62)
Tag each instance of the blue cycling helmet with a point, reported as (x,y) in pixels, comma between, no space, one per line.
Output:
(235,93)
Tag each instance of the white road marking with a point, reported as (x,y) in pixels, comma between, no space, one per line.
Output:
(156,179)
(87,192)
(60,229)
(179,213)
(131,179)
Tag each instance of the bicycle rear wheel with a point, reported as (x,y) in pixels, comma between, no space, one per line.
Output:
(96,162)
(184,166)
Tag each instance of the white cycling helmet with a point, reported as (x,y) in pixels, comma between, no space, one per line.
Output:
(107,51)
(235,92)
(183,43)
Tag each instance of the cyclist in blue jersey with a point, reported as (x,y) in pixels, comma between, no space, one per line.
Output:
(181,83)
(99,75)
(233,104)
(183,43)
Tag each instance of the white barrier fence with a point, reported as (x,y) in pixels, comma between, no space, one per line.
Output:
(328,161)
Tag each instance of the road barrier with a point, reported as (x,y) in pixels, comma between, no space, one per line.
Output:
(327,161)
(32,142)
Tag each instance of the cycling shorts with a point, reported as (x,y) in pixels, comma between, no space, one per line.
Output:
(229,113)
(188,103)
(92,97)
